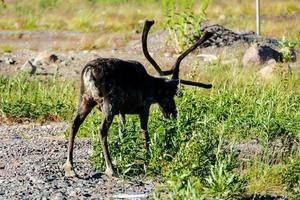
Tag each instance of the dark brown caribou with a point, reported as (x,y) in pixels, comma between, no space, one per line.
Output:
(120,87)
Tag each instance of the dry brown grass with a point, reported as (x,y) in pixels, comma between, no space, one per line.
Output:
(279,18)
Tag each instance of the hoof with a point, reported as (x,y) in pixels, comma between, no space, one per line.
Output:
(110,173)
(69,172)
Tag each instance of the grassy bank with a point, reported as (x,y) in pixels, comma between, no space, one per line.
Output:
(196,154)
(25,98)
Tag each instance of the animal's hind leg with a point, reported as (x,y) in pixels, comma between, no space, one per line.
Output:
(84,108)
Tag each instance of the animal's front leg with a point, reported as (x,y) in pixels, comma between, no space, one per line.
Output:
(144,115)
(103,139)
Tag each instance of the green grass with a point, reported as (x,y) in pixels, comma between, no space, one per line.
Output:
(6,49)
(187,153)
(291,175)
(100,16)
(33,98)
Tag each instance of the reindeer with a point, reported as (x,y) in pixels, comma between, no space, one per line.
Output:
(120,87)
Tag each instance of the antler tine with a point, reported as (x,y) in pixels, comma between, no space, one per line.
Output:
(147,26)
(185,82)
(175,68)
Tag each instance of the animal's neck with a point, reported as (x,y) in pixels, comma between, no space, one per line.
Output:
(157,87)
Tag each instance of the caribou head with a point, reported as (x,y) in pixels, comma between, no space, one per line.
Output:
(167,105)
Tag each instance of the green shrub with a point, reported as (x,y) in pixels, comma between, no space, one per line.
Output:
(287,48)
(223,182)
(182,22)
(291,177)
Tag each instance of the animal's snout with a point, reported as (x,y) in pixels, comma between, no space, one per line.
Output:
(170,115)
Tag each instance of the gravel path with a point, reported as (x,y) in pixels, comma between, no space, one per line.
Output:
(31,159)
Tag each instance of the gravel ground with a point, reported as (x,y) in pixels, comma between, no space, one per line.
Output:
(31,159)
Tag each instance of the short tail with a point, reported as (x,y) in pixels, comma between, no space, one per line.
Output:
(88,80)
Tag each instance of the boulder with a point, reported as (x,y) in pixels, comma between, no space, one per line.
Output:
(257,55)
(225,37)
(268,71)
(44,63)
(295,67)
(10,61)
(45,58)
(280,148)
(30,68)
(273,67)
(208,57)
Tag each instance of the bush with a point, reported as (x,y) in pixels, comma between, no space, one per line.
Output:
(223,182)
(291,177)
(182,22)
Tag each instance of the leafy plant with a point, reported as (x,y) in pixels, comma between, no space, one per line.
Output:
(287,48)
(223,182)
(182,22)
(291,177)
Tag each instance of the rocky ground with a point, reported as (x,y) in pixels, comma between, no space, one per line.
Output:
(31,159)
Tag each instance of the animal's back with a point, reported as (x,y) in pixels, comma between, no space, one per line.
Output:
(121,72)
(124,82)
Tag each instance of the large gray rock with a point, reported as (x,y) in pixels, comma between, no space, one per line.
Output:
(258,55)
(44,63)
(225,37)
(268,71)
(10,61)
(31,68)
(45,58)
(272,67)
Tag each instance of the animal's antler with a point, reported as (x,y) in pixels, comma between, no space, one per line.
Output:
(175,69)
(147,27)
(176,66)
